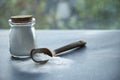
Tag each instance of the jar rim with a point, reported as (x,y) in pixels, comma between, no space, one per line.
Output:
(21,18)
(23,23)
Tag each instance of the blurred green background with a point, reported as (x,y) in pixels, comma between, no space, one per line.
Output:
(64,14)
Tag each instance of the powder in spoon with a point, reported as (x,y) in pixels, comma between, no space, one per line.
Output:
(41,57)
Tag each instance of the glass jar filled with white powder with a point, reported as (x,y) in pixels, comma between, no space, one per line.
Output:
(22,35)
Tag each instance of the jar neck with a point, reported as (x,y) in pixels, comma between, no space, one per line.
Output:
(30,24)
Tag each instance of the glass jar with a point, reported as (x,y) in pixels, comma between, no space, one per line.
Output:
(22,35)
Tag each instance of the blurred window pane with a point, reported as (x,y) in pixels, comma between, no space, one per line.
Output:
(64,14)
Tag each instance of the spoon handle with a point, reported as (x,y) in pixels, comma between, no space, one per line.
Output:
(70,46)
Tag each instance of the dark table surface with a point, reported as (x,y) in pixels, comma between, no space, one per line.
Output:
(99,60)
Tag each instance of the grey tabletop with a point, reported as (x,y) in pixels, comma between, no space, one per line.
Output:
(99,60)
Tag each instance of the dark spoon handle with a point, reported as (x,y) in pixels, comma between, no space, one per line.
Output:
(70,46)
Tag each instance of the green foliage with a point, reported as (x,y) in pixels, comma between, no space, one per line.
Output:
(88,14)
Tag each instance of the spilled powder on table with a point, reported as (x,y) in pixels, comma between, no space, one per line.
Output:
(29,66)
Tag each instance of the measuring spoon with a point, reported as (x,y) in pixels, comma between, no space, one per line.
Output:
(47,53)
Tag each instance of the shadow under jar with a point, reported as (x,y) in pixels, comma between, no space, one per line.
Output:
(22,35)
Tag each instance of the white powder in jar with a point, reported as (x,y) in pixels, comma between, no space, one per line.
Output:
(22,36)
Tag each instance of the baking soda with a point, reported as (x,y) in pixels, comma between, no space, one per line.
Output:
(54,63)
(41,57)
